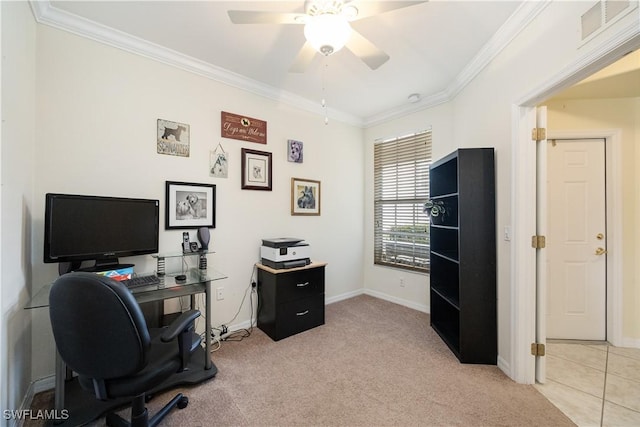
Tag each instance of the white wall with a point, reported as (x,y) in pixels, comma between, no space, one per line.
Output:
(623,114)
(95,118)
(17,165)
(96,134)
(481,116)
(385,282)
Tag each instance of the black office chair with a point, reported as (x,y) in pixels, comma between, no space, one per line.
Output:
(101,334)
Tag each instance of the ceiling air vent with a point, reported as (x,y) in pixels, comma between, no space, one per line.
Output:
(591,20)
(612,8)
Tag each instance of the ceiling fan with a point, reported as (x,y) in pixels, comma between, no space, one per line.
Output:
(327,29)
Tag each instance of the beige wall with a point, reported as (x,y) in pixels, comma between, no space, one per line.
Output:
(96,134)
(623,114)
(385,282)
(17,165)
(89,127)
(482,115)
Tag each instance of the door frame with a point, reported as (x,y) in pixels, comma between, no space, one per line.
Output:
(613,184)
(523,193)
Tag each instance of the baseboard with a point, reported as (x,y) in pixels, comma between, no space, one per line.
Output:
(396,300)
(343,297)
(247,323)
(43,384)
(504,366)
(631,342)
(37,386)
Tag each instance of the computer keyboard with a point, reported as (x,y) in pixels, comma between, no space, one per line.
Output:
(139,281)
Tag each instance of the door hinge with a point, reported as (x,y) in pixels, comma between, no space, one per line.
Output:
(537,349)
(538,242)
(538,134)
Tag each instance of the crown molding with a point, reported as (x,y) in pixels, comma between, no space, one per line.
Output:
(625,40)
(520,19)
(45,13)
(523,15)
(405,109)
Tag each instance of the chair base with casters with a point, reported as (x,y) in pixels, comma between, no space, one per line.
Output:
(83,408)
(140,415)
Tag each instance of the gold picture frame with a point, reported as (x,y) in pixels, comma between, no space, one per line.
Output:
(305,196)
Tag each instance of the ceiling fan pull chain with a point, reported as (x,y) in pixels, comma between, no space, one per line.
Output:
(324,103)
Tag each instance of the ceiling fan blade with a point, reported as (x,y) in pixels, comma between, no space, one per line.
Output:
(366,51)
(257,17)
(370,8)
(304,58)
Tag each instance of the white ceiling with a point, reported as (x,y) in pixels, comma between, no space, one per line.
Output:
(436,47)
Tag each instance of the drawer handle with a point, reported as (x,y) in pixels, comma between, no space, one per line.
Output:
(302,285)
(302,313)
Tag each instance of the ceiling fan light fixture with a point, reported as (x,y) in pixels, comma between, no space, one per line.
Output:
(327,33)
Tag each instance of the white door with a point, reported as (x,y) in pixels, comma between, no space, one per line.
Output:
(576,240)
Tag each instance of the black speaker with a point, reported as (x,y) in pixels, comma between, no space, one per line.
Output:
(203,238)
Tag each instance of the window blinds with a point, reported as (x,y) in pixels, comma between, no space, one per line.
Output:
(401,187)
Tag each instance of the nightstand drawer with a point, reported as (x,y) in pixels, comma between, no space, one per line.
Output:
(299,284)
(290,301)
(299,315)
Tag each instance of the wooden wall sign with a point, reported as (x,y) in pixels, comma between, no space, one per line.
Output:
(243,128)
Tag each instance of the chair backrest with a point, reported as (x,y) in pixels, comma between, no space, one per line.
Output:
(98,326)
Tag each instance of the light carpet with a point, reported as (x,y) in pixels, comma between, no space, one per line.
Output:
(373,363)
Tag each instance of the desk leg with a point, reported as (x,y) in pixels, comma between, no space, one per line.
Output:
(207,328)
(61,371)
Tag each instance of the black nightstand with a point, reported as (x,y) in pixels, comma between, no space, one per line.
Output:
(290,300)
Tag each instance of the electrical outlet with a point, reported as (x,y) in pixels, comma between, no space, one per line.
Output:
(220,293)
(507,233)
(402,282)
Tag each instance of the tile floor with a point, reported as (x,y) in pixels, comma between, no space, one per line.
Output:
(593,383)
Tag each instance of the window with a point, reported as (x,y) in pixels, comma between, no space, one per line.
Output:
(401,187)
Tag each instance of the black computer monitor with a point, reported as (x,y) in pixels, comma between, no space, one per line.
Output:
(94,228)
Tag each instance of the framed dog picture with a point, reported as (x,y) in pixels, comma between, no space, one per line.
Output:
(190,205)
(294,151)
(173,138)
(305,197)
(218,164)
(256,170)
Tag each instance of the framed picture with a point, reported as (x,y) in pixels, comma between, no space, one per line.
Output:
(256,170)
(173,138)
(294,151)
(305,197)
(190,205)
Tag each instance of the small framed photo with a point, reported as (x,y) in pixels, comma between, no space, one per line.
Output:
(305,196)
(190,205)
(218,165)
(294,151)
(173,138)
(256,170)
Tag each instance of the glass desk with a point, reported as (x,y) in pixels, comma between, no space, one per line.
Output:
(83,408)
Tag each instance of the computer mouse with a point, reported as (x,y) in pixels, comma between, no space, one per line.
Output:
(181,278)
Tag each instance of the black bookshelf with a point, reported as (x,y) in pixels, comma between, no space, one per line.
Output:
(463,254)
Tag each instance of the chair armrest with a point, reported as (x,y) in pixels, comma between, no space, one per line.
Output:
(181,324)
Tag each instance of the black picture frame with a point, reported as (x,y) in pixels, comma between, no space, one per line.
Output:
(190,205)
(257,170)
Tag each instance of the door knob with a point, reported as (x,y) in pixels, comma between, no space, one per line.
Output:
(601,251)
(600,236)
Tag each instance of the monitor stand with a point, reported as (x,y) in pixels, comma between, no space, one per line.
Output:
(105,264)
(68,267)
